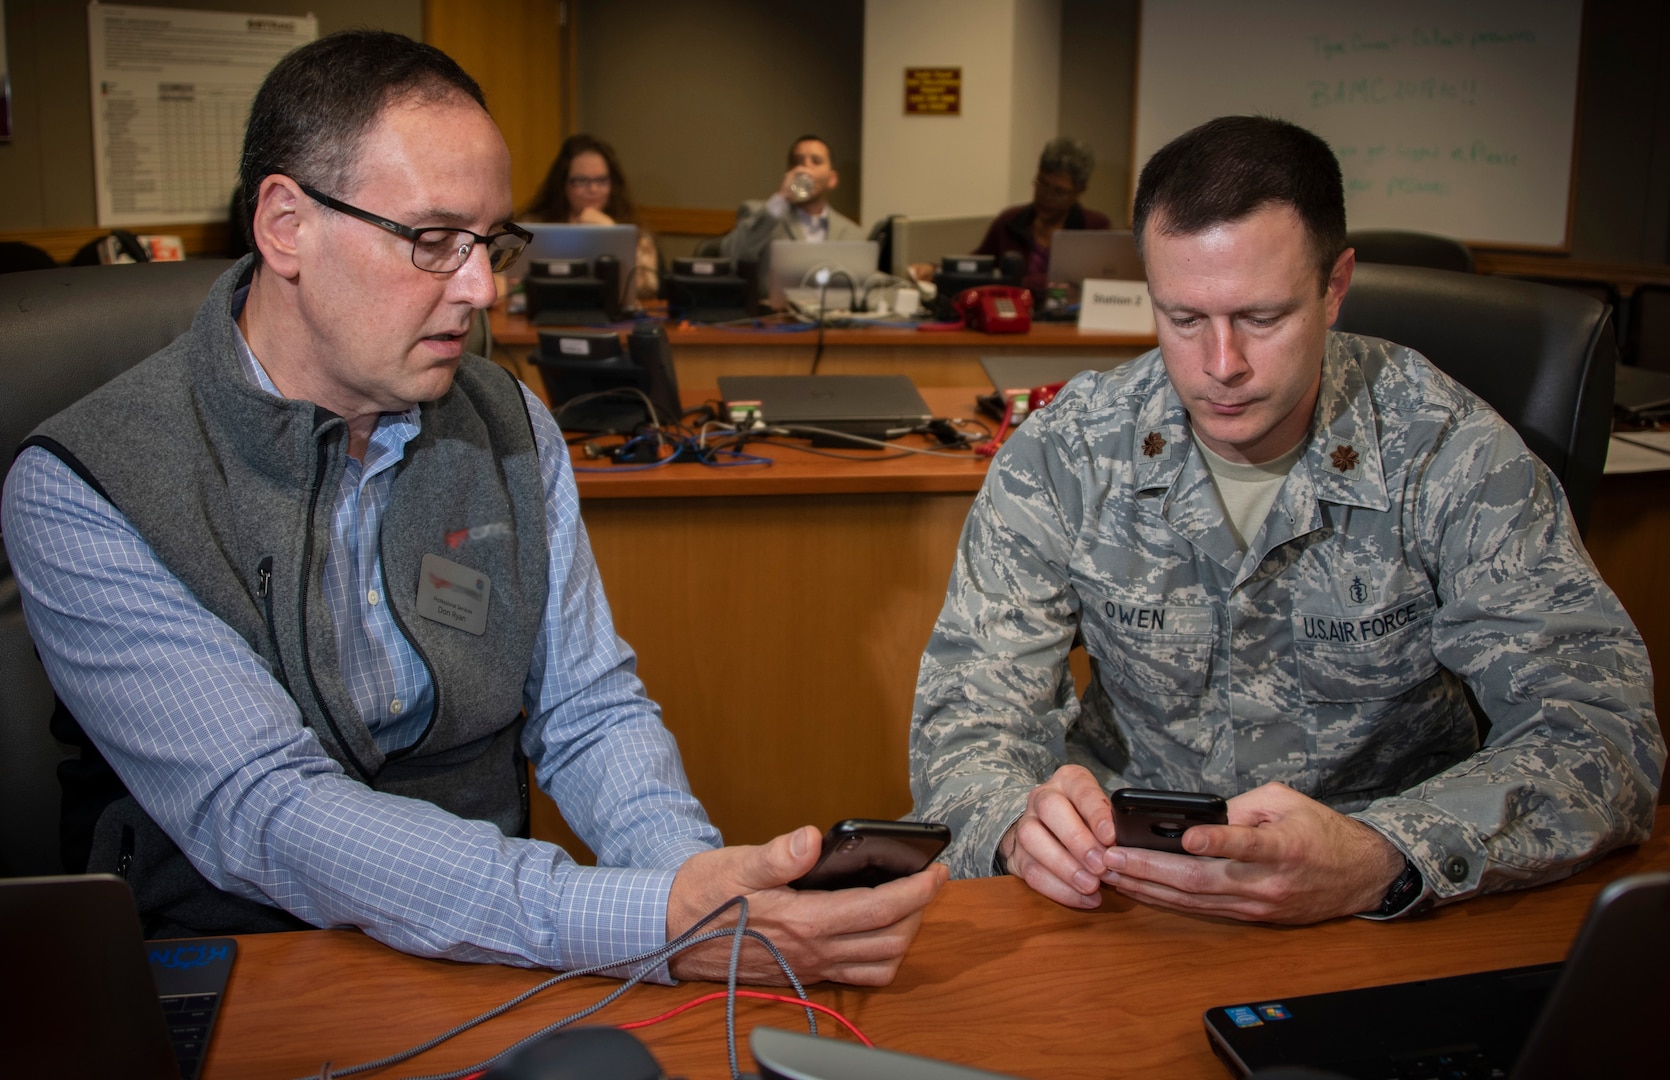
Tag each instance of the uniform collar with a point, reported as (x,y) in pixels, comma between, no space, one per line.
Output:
(1340,464)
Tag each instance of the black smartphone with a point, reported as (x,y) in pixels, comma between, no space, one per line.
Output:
(865,852)
(1158,819)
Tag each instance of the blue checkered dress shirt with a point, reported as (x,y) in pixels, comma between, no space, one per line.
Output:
(205,738)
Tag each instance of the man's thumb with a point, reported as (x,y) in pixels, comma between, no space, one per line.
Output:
(783,859)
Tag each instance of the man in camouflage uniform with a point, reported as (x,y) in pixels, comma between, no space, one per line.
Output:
(1411,546)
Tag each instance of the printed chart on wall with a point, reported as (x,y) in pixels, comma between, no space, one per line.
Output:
(1451,118)
(171,93)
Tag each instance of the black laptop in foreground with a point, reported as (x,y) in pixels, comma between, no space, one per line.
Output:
(1596,1015)
(87,997)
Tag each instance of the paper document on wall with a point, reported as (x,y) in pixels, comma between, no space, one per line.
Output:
(1119,307)
(171,94)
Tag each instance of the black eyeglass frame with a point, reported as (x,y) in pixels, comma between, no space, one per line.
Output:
(406,232)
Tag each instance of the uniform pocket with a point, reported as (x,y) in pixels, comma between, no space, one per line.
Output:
(1158,650)
(1367,657)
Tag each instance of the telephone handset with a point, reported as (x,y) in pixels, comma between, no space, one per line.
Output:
(995,309)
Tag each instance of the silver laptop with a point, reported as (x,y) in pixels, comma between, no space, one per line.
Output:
(795,266)
(1027,372)
(847,402)
(554,241)
(1103,254)
(1641,392)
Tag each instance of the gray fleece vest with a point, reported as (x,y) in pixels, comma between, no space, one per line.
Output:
(233,488)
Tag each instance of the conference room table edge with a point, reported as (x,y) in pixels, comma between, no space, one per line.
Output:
(518,331)
(998,978)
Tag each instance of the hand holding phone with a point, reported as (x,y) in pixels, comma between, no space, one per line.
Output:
(866,852)
(1158,819)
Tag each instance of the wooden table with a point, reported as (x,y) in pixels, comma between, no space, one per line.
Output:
(998,978)
(701,354)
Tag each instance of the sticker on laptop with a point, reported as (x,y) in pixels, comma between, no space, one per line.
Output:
(1243,1017)
(1274,1011)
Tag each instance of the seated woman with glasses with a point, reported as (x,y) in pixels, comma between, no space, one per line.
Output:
(1063,173)
(586,187)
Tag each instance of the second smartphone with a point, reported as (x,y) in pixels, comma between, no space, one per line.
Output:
(1157,819)
(865,852)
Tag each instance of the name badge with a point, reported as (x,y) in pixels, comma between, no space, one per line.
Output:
(453,594)
(1119,307)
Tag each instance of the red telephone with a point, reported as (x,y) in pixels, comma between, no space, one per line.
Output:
(995,309)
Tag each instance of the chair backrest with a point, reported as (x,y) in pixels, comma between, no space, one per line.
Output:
(1543,357)
(1411,249)
(66,332)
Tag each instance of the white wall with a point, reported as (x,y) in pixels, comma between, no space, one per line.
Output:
(982,160)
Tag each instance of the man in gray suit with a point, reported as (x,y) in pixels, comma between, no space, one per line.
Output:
(798,210)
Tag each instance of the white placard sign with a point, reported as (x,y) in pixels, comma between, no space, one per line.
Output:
(171,93)
(1119,307)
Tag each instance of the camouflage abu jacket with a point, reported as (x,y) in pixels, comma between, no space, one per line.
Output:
(1415,545)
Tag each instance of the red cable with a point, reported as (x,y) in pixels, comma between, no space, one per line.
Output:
(995,443)
(719,995)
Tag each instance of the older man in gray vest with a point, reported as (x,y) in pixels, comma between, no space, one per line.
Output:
(313,584)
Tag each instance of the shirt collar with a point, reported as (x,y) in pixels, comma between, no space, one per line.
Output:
(1342,453)
(393,430)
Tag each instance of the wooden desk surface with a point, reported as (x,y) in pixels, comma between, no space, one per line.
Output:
(515,330)
(999,978)
(796,472)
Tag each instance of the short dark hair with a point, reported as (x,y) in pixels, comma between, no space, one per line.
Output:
(321,99)
(550,202)
(812,138)
(1227,168)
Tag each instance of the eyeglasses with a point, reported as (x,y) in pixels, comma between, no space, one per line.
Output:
(1060,191)
(593,182)
(439,251)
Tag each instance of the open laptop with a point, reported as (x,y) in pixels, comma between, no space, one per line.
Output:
(794,268)
(1597,1014)
(1641,393)
(874,406)
(559,241)
(90,998)
(1103,254)
(1010,373)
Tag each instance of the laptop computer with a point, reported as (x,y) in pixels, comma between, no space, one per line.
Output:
(1641,393)
(91,998)
(1103,254)
(1597,1014)
(552,240)
(1009,373)
(874,406)
(794,268)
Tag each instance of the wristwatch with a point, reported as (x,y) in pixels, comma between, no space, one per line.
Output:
(1403,891)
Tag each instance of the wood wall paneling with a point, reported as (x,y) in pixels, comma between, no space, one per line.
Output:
(518,51)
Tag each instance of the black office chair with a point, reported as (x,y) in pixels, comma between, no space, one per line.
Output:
(67,331)
(1397,248)
(1545,358)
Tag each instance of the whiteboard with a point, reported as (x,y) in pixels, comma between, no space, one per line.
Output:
(1456,118)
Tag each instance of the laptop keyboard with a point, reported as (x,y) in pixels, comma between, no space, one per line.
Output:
(190,1018)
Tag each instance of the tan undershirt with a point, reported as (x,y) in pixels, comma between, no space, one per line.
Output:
(1247,491)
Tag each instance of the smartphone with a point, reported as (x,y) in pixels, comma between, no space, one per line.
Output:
(1158,819)
(865,852)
